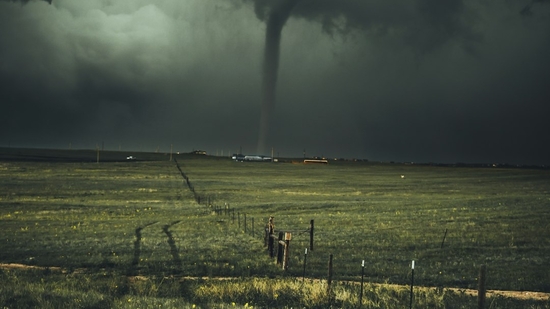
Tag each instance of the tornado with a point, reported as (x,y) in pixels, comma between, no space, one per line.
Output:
(276,19)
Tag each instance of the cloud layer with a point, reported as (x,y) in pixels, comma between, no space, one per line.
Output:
(425,81)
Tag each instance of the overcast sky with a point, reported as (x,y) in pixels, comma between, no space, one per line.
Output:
(394,80)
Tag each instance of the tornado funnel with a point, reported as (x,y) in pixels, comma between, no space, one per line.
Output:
(275,22)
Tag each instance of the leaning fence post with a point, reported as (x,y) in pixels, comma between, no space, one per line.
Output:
(311,227)
(481,288)
(443,241)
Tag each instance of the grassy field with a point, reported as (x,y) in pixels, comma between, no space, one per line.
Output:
(108,223)
(497,217)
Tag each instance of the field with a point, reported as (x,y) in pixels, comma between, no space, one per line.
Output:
(131,234)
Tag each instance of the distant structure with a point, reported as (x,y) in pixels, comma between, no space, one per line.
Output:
(254,158)
(199,152)
(315,161)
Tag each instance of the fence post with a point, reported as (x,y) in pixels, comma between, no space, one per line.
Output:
(305,259)
(266,237)
(481,288)
(244,223)
(443,241)
(329,280)
(362,280)
(412,285)
(280,249)
(311,227)
(288,237)
(270,240)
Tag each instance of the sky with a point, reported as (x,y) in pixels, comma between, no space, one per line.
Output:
(394,80)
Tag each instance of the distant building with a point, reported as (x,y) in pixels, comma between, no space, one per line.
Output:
(256,158)
(315,161)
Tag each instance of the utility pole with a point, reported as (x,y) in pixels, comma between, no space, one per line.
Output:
(171,147)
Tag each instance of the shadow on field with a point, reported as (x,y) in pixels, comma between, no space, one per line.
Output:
(137,249)
(173,248)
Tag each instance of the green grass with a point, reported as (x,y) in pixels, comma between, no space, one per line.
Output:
(497,217)
(140,218)
(105,289)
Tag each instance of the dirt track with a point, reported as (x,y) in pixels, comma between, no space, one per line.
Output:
(490,293)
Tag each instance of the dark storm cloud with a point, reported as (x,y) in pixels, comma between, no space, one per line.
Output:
(443,104)
(25,1)
(527,10)
(425,24)
(385,80)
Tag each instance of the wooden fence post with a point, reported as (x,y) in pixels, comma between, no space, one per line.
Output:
(270,230)
(280,249)
(288,237)
(443,241)
(311,227)
(481,288)
(266,237)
